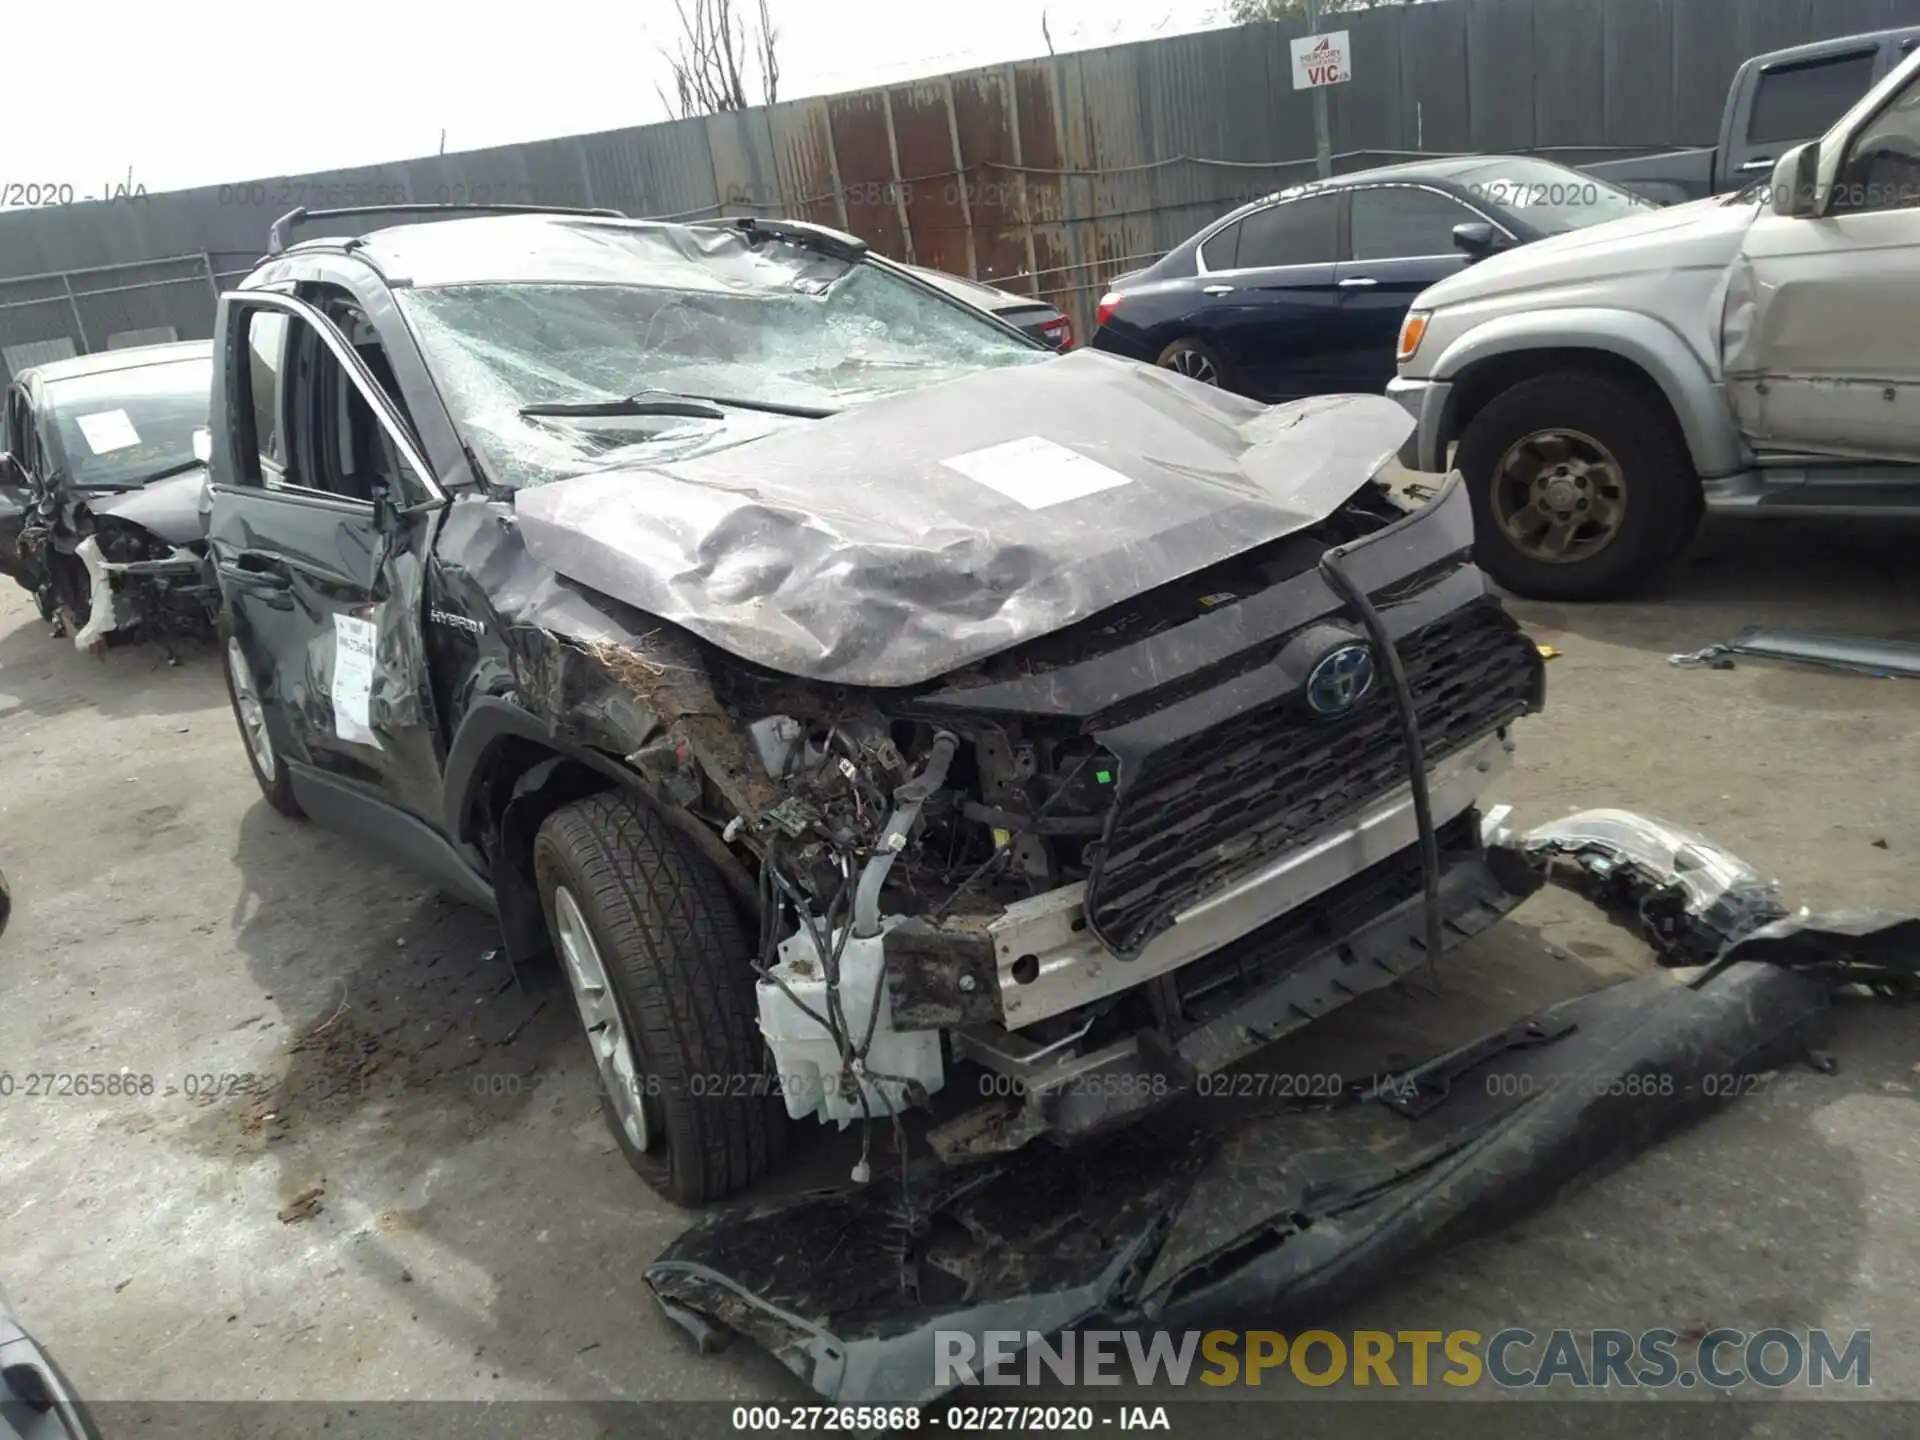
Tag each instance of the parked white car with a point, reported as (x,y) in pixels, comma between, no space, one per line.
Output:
(1753,354)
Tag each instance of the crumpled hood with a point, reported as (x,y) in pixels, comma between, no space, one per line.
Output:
(169,508)
(1702,233)
(897,541)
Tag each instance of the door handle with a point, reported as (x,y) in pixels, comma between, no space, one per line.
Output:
(1759,162)
(1356,281)
(1216,289)
(251,570)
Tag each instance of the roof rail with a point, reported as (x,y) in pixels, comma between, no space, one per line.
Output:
(277,235)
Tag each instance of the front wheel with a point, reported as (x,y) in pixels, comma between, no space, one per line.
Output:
(250,714)
(656,955)
(1581,488)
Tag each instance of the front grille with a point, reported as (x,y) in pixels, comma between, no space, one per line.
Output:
(1199,813)
(1243,967)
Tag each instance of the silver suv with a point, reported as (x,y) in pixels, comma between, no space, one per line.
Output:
(1751,354)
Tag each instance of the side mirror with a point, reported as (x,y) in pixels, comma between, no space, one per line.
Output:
(1796,182)
(1476,239)
(203,445)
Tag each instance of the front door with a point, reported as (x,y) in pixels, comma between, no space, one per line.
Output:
(320,533)
(1399,241)
(1823,309)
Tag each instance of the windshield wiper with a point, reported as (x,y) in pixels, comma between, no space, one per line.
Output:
(773,407)
(668,402)
(645,402)
(167,473)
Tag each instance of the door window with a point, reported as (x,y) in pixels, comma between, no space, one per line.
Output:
(1393,222)
(1882,167)
(265,458)
(1218,250)
(1799,102)
(1293,232)
(313,427)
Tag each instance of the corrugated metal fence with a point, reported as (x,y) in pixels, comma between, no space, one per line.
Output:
(1049,175)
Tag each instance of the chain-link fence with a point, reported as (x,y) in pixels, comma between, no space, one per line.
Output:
(61,313)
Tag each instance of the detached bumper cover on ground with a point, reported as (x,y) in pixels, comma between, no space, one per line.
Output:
(1285,1214)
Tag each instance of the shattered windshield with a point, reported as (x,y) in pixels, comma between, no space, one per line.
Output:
(774,336)
(122,428)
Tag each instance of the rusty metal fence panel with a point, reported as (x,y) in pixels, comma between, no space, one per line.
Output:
(1047,176)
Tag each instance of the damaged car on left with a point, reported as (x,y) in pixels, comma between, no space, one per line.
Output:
(871,708)
(102,475)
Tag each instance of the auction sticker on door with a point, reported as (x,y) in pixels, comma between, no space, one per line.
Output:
(354,641)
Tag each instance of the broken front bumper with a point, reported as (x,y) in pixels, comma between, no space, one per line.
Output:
(109,607)
(1281,1216)
(1323,948)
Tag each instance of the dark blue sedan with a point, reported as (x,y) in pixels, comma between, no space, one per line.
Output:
(1302,292)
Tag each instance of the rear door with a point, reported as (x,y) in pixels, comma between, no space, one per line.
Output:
(1272,305)
(324,586)
(1399,241)
(1820,353)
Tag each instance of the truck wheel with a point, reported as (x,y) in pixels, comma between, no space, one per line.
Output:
(656,955)
(269,770)
(1581,490)
(1194,359)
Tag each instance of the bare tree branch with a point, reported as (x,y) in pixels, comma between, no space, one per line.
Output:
(714,57)
(769,62)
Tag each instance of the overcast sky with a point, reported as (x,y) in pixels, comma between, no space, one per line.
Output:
(222,90)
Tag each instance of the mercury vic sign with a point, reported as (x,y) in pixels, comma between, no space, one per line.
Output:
(1321,60)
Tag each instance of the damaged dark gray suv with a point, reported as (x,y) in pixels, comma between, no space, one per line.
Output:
(870,707)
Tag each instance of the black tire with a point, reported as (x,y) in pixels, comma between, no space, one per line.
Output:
(274,782)
(675,952)
(1188,354)
(1660,505)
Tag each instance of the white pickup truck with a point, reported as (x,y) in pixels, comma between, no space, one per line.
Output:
(1757,354)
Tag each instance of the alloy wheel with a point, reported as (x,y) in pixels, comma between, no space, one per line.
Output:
(253,716)
(620,1073)
(1559,496)
(1193,365)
